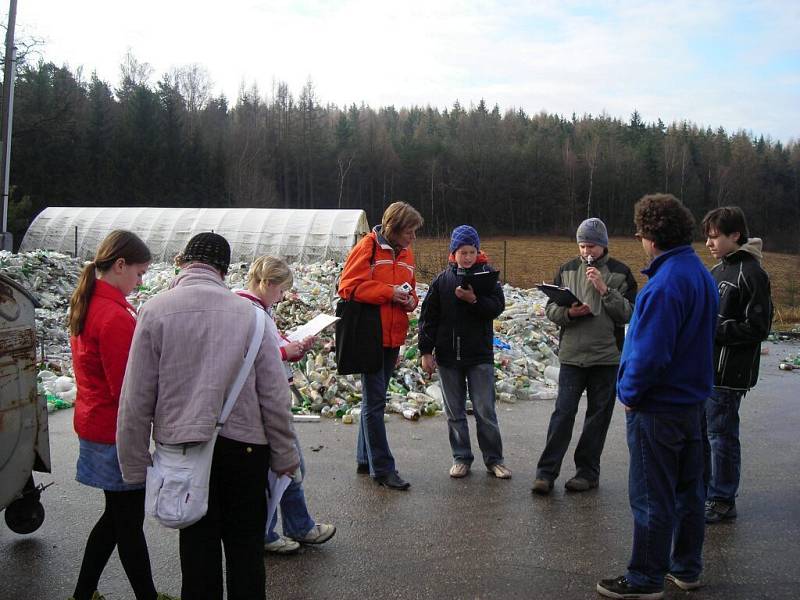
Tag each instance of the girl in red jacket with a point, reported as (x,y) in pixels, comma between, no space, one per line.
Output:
(375,273)
(101,326)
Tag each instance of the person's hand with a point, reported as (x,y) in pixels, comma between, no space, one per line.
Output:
(308,342)
(428,363)
(579,310)
(466,294)
(399,295)
(596,279)
(294,350)
(410,304)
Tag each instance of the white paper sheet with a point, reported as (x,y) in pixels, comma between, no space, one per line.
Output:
(277,485)
(313,327)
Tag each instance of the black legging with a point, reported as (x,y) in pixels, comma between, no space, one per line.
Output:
(120,525)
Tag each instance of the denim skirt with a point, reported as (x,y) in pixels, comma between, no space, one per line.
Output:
(98,466)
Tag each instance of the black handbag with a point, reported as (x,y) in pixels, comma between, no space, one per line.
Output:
(359,335)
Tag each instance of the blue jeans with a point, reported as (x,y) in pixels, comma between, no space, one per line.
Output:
(724,457)
(480,381)
(600,385)
(665,488)
(372,447)
(294,512)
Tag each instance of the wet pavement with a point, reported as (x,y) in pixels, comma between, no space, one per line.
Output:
(478,537)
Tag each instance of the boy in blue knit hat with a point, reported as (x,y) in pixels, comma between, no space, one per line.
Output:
(456,336)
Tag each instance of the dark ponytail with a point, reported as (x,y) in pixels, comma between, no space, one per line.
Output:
(117,244)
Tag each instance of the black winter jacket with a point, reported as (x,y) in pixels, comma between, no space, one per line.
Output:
(460,333)
(745,316)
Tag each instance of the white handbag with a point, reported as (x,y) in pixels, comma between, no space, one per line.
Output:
(176,490)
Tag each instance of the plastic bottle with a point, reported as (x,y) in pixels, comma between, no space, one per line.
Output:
(551,373)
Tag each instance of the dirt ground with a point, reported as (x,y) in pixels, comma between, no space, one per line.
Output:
(526,261)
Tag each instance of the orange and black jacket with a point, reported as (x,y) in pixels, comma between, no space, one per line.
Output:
(371,271)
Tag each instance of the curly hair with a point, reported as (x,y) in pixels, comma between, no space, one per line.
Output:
(664,220)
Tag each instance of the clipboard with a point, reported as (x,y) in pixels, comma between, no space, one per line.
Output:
(483,283)
(562,296)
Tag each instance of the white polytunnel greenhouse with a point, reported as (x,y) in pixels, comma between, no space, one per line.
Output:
(294,235)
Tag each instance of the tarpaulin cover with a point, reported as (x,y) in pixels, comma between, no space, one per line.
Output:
(294,235)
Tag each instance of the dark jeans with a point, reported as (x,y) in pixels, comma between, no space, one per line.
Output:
(480,380)
(119,526)
(373,446)
(723,451)
(665,487)
(600,385)
(236,518)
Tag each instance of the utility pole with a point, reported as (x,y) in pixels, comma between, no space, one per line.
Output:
(9,74)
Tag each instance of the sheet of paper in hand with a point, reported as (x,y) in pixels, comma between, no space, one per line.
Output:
(313,327)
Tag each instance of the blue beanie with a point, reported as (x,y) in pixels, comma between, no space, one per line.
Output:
(464,235)
(593,231)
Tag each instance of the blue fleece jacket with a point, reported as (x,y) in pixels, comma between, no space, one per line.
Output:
(667,359)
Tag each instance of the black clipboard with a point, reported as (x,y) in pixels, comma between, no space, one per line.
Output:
(560,295)
(483,283)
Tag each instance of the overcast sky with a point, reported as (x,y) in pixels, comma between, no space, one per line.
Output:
(729,63)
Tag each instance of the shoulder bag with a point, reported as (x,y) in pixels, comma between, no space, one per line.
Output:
(359,335)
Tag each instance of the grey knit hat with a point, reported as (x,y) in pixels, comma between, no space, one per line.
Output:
(593,231)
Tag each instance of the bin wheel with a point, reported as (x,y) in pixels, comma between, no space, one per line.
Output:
(23,516)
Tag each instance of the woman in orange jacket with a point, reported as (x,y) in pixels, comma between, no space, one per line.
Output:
(374,273)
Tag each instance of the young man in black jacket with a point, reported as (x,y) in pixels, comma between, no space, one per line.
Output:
(745,317)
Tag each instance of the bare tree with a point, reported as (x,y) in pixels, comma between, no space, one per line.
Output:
(343,170)
(133,72)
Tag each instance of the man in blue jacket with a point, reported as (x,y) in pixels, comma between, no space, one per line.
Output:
(666,373)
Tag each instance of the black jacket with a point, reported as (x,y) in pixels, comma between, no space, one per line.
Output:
(745,316)
(460,333)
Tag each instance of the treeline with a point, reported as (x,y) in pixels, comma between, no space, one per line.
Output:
(84,143)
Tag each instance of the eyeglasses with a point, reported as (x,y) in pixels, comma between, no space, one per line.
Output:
(638,236)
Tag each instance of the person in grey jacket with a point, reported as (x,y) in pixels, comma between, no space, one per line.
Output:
(744,321)
(589,350)
(188,347)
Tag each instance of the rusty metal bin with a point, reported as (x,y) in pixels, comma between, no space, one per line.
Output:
(24,437)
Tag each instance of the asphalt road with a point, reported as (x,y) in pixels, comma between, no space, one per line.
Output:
(473,538)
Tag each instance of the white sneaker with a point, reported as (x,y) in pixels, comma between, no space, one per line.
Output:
(319,534)
(282,545)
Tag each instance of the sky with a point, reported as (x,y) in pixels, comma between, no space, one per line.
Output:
(728,63)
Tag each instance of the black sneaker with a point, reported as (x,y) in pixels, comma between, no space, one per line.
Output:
(362,469)
(718,511)
(684,584)
(621,588)
(393,481)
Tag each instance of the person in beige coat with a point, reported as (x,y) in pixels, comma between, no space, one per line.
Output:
(188,347)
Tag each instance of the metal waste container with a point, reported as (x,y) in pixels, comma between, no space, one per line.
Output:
(24,438)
